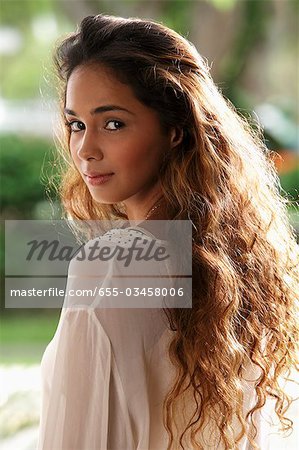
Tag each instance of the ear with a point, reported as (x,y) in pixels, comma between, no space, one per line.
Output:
(176,136)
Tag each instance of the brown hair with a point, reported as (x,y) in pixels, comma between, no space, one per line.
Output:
(245,281)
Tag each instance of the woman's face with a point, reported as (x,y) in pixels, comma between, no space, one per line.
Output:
(113,133)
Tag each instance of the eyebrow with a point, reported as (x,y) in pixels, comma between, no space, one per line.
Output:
(100,109)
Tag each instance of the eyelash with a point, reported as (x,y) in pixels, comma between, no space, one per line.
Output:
(69,125)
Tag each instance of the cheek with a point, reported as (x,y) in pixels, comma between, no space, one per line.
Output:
(141,154)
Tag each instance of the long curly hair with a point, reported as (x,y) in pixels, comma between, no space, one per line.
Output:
(245,258)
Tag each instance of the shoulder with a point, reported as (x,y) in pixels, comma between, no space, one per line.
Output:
(118,264)
(124,236)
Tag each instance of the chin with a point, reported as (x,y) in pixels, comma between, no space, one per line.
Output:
(104,201)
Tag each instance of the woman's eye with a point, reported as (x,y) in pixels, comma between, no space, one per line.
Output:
(76,126)
(114,125)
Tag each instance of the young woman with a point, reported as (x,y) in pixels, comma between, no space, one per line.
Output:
(150,137)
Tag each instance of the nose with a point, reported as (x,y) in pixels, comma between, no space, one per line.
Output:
(88,147)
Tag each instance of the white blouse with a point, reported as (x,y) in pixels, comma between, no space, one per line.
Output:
(106,373)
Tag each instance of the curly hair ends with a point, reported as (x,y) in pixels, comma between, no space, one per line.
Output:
(245,258)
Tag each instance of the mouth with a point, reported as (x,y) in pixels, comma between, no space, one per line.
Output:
(96,179)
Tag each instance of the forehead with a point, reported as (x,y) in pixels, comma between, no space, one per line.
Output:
(94,83)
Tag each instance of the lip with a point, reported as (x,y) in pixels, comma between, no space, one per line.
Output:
(96,179)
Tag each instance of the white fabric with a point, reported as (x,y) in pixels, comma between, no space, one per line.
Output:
(105,375)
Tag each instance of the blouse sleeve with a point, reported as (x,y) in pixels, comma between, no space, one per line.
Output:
(75,393)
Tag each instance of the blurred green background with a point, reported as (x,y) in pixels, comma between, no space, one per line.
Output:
(252,49)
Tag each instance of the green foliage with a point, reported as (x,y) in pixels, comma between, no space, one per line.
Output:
(19,12)
(28,63)
(25,329)
(25,166)
(24,337)
(251,31)
(223,4)
(177,15)
(26,72)
(290,184)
